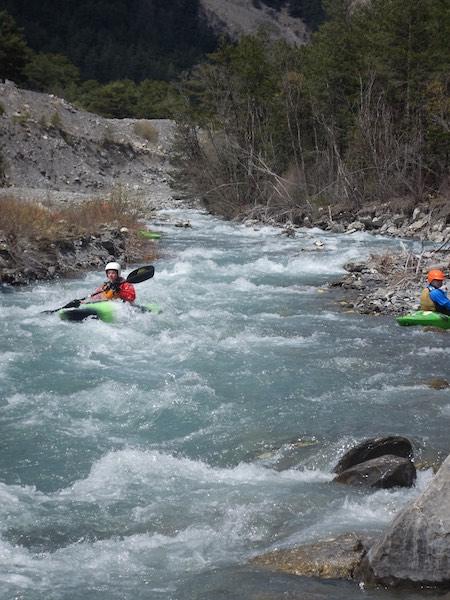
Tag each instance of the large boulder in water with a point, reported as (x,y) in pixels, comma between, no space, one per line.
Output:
(415,549)
(382,472)
(373,448)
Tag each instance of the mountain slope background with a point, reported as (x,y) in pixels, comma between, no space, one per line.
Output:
(152,39)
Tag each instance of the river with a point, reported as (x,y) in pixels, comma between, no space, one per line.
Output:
(151,459)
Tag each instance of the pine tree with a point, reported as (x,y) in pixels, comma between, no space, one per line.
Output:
(14,52)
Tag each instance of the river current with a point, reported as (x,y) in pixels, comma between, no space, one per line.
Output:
(153,458)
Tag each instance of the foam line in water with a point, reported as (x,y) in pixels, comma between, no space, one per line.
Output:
(111,476)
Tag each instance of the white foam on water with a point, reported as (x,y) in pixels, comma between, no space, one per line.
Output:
(246,341)
(360,510)
(18,502)
(431,350)
(8,359)
(201,253)
(162,410)
(112,476)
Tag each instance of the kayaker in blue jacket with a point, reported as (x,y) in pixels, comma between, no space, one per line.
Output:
(433,297)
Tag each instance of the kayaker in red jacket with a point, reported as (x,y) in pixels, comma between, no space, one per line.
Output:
(116,288)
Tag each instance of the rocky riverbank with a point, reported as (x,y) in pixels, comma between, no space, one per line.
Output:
(414,548)
(391,283)
(26,260)
(388,283)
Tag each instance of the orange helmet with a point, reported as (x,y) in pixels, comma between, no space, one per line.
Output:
(435,274)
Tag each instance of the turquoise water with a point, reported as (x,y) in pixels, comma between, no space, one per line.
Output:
(151,459)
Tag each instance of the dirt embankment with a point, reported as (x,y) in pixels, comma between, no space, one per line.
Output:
(51,150)
(74,186)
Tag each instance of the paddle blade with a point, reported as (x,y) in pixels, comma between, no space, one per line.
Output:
(71,304)
(141,274)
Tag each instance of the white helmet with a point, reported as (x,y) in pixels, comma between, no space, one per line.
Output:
(114,266)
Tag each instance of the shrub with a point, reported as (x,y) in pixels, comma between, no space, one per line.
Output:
(24,219)
(21,118)
(147,131)
(31,219)
(56,121)
(119,208)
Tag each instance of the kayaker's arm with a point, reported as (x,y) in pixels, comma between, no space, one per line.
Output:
(439,297)
(127,293)
(105,292)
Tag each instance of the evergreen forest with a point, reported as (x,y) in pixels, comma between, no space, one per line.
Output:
(359,116)
(109,40)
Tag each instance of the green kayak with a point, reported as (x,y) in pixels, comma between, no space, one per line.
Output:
(149,235)
(425,318)
(108,311)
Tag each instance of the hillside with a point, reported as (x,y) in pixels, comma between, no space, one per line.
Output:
(49,146)
(239,17)
(152,39)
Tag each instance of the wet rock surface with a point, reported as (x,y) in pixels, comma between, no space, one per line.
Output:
(23,261)
(415,548)
(374,448)
(383,472)
(333,558)
(382,462)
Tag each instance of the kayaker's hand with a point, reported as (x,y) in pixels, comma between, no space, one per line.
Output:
(76,303)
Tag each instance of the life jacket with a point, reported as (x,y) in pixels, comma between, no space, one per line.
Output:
(125,291)
(426,303)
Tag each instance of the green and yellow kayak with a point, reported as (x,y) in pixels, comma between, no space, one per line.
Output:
(107,311)
(149,235)
(425,318)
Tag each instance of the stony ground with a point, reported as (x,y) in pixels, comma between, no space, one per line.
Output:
(388,283)
(56,155)
(53,152)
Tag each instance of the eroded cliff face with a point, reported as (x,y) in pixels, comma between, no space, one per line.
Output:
(240,17)
(49,145)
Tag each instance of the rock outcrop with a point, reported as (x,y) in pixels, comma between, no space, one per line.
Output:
(24,261)
(243,17)
(415,549)
(382,462)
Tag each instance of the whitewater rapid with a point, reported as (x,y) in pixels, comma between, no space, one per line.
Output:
(154,457)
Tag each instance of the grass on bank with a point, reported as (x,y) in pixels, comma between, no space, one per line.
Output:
(30,219)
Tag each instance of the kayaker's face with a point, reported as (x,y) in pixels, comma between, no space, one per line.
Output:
(437,283)
(112,275)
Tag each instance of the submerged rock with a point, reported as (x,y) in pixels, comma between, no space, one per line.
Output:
(383,472)
(334,558)
(437,383)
